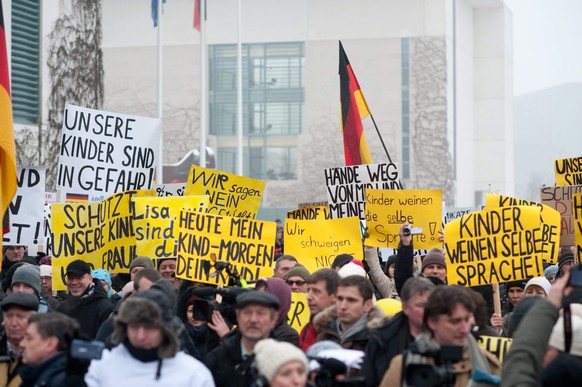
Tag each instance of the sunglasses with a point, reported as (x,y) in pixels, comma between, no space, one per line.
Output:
(298,282)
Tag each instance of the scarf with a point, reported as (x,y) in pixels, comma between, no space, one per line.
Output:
(145,356)
(357,327)
(89,291)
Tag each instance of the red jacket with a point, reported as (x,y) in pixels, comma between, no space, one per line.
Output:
(307,336)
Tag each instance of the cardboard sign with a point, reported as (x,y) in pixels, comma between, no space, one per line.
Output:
(311,204)
(568,171)
(316,243)
(455,213)
(386,210)
(230,195)
(103,153)
(299,314)
(100,233)
(577,212)
(346,186)
(156,220)
(310,213)
(170,189)
(560,199)
(27,209)
(204,239)
(499,346)
(550,219)
(495,245)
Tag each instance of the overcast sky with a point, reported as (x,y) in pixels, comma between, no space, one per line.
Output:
(547,43)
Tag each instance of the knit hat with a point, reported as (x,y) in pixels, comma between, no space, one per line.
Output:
(435,256)
(46,271)
(566,256)
(298,271)
(391,261)
(20,300)
(270,355)
(104,275)
(29,275)
(341,260)
(515,284)
(7,281)
(278,288)
(557,336)
(551,271)
(352,268)
(142,262)
(542,282)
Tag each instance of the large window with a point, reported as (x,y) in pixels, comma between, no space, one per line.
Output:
(25,60)
(273,98)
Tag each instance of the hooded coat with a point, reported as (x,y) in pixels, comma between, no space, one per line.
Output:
(90,310)
(325,324)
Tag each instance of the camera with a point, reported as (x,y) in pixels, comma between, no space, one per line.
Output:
(409,230)
(90,350)
(330,368)
(432,367)
(203,309)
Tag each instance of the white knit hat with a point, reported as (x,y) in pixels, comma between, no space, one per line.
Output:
(270,355)
(557,337)
(46,271)
(542,282)
(351,268)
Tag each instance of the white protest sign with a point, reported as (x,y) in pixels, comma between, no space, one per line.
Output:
(103,153)
(170,189)
(27,208)
(346,186)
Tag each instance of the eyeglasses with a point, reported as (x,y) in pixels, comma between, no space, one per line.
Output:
(298,282)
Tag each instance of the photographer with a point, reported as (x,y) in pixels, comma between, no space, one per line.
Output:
(448,316)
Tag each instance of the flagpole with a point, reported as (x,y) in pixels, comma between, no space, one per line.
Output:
(203,83)
(380,136)
(159,174)
(239,96)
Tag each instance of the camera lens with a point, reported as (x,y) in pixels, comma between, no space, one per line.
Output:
(406,231)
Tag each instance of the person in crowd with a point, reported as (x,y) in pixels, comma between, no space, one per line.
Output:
(517,315)
(167,268)
(354,267)
(515,292)
(297,278)
(147,350)
(321,292)
(397,334)
(17,309)
(481,325)
(566,261)
(231,362)
(45,348)
(382,282)
(12,254)
(448,316)
(46,279)
(140,263)
(7,277)
(354,316)
(144,279)
(26,279)
(389,272)
(87,301)
(282,330)
(280,240)
(283,264)
(280,364)
(340,260)
(105,279)
(550,273)
(537,286)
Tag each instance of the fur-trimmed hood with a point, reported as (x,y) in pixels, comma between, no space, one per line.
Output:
(322,321)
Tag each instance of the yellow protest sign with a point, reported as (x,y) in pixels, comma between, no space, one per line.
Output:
(59,267)
(156,220)
(100,233)
(494,245)
(298,315)
(560,199)
(577,214)
(568,171)
(245,246)
(386,210)
(310,213)
(499,346)
(550,219)
(316,243)
(230,195)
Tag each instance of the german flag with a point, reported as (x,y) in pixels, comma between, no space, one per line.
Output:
(7,148)
(354,109)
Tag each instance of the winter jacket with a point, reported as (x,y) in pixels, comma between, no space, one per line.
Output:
(386,342)
(325,323)
(284,332)
(404,267)
(522,366)
(307,336)
(379,279)
(119,368)
(90,310)
(227,366)
(50,373)
(8,367)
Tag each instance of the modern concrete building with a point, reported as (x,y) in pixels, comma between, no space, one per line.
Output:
(437,76)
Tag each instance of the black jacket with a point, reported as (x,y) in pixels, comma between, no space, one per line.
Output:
(403,268)
(284,332)
(386,342)
(89,311)
(227,365)
(50,372)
